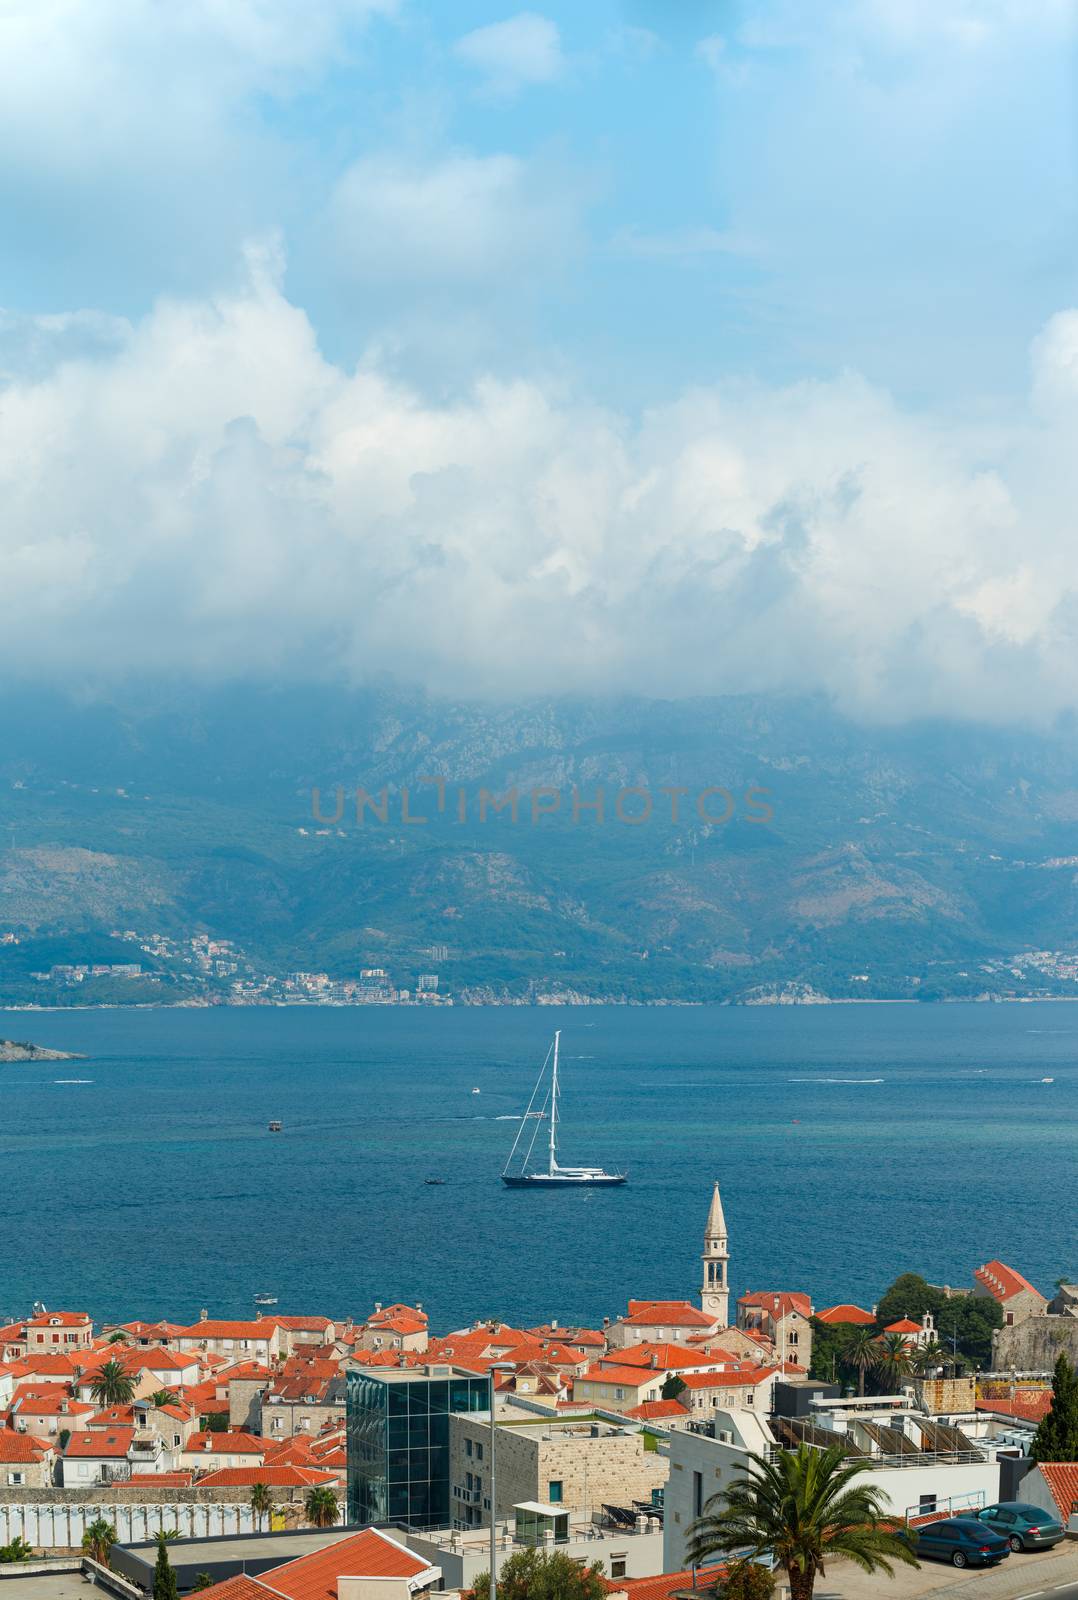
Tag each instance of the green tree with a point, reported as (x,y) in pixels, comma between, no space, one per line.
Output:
(203,1580)
(215,1422)
(748,1580)
(893,1359)
(261,1502)
(862,1354)
(17,1550)
(113,1385)
(164,1578)
(320,1507)
(544,1575)
(163,1397)
(802,1510)
(99,1539)
(1056,1438)
(971,1320)
(674,1387)
(117,1338)
(909,1296)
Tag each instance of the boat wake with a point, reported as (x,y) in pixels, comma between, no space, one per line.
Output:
(835,1080)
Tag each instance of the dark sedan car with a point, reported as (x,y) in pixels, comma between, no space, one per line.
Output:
(963,1541)
(1024,1527)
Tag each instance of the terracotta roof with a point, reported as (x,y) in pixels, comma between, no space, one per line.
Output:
(53,1401)
(745,1377)
(778,1303)
(304,1324)
(630,1377)
(21,1447)
(657,1410)
(241,1587)
(211,1329)
(846,1314)
(1062,1479)
(370,1554)
(1003,1283)
(276,1477)
(665,1584)
(588,1338)
(108,1442)
(388,1313)
(1029,1408)
(237,1444)
(661,1356)
(60,1319)
(164,1480)
(666,1313)
(903,1325)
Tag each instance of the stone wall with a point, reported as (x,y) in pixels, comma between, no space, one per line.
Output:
(1035,1345)
(612,1468)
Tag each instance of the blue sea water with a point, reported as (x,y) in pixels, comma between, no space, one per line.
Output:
(852,1143)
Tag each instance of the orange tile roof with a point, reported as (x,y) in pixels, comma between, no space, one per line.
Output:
(109,1442)
(666,1583)
(304,1324)
(370,1554)
(903,1325)
(16,1447)
(778,1302)
(164,1480)
(661,1356)
(629,1377)
(213,1329)
(226,1444)
(666,1313)
(1029,1408)
(744,1377)
(589,1338)
(1062,1479)
(846,1314)
(283,1477)
(1003,1283)
(387,1313)
(657,1410)
(60,1319)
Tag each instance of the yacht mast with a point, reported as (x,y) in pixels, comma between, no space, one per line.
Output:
(554,1107)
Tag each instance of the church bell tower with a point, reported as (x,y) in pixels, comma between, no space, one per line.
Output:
(715,1293)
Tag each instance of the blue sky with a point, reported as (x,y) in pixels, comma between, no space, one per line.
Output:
(633,216)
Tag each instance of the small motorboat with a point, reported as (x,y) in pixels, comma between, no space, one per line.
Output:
(275,1127)
(434,1182)
(265,1299)
(477,1091)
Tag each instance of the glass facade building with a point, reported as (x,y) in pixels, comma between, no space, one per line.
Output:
(398,1442)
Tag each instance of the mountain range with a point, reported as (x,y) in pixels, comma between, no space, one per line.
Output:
(824,859)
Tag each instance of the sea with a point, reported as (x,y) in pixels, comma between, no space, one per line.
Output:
(851,1142)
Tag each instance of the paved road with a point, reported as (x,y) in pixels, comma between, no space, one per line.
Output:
(1046,1575)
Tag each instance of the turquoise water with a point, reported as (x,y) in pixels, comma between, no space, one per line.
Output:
(851,1142)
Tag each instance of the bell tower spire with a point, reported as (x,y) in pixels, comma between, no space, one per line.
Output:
(715,1292)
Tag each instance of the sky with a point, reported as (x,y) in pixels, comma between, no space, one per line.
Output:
(650,346)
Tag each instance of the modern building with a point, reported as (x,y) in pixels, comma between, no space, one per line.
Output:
(580,1463)
(398,1439)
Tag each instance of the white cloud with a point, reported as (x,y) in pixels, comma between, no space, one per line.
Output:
(460,217)
(511,55)
(209,493)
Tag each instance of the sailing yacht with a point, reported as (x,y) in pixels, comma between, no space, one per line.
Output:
(554,1177)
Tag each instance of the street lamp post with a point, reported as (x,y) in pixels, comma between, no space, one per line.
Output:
(496,1366)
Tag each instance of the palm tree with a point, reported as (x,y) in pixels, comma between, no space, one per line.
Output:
(893,1358)
(801,1511)
(861,1352)
(320,1507)
(114,1385)
(928,1358)
(261,1502)
(99,1539)
(163,1397)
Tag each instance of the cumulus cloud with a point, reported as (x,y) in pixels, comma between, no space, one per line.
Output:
(208,493)
(511,55)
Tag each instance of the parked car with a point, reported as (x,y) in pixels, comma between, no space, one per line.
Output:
(964,1541)
(1024,1527)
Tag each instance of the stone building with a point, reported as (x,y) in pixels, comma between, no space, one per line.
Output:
(1015,1294)
(577,1463)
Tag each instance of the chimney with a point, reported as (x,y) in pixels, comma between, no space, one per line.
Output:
(419,1305)
(203,1315)
(553,1322)
(606,1322)
(377,1307)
